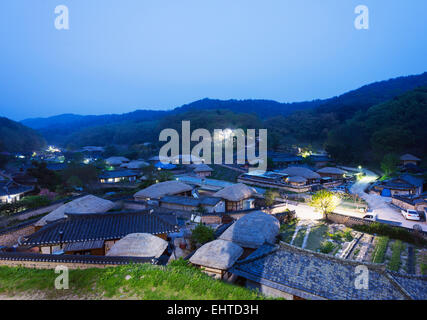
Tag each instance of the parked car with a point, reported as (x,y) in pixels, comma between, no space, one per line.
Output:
(410,214)
(370,217)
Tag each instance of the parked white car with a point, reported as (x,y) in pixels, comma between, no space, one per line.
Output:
(410,215)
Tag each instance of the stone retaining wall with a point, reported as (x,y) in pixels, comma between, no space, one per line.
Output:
(51,265)
(10,238)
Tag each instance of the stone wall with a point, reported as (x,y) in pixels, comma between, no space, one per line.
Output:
(36,212)
(404,205)
(51,265)
(10,238)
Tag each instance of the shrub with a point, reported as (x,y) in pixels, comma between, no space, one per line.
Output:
(32,202)
(347,235)
(327,247)
(202,234)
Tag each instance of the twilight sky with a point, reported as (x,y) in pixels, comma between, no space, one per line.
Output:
(119,56)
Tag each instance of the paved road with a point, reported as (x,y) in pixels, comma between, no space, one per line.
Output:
(381,205)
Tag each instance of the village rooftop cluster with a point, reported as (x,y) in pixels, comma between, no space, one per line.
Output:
(266,231)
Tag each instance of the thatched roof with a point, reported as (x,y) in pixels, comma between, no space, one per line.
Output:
(139,245)
(202,168)
(188,158)
(86,204)
(331,170)
(301,172)
(253,230)
(217,254)
(167,188)
(116,161)
(136,164)
(297,179)
(235,192)
(409,157)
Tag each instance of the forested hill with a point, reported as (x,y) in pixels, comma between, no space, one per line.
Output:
(262,108)
(288,124)
(15,137)
(394,127)
(346,105)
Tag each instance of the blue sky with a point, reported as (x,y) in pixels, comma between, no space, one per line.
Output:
(119,56)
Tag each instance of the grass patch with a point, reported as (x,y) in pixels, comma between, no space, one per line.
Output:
(316,237)
(395,260)
(341,236)
(148,282)
(287,231)
(299,239)
(380,249)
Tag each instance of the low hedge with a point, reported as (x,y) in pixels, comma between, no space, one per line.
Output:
(391,232)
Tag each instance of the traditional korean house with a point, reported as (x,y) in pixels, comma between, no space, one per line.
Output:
(202,170)
(235,195)
(416,202)
(294,273)
(156,159)
(117,176)
(209,204)
(402,185)
(139,245)
(116,161)
(167,188)
(95,234)
(252,231)
(331,172)
(284,159)
(216,257)
(310,176)
(11,191)
(134,165)
(409,159)
(319,161)
(83,205)
(297,181)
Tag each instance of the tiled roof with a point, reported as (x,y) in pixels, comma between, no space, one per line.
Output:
(405,181)
(313,275)
(189,201)
(161,189)
(301,172)
(415,286)
(106,226)
(85,245)
(8,187)
(409,157)
(417,182)
(117,174)
(68,258)
(166,166)
(202,168)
